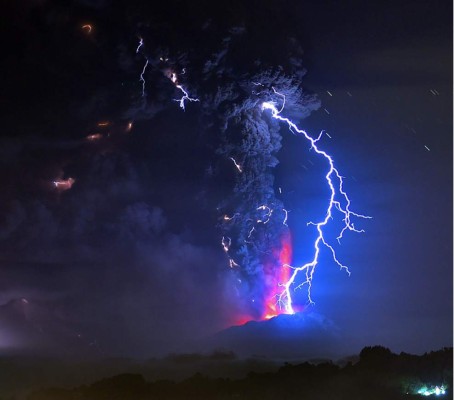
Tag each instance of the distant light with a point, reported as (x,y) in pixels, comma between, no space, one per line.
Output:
(437,391)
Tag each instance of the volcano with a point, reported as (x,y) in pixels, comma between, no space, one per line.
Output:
(300,336)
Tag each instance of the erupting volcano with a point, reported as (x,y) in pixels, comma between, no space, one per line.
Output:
(276,276)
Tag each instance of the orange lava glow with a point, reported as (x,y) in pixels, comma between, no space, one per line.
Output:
(243,320)
(282,274)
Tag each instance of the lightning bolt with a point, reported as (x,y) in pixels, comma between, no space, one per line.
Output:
(174,78)
(142,79)
(338,200)
(140,45)
(184,97)
(238,166)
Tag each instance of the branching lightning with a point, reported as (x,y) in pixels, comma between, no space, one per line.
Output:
(184,97)
(226,242)
(170,74)
(174,79)
(284,222)
(292,277)
(142,77)
(338,200)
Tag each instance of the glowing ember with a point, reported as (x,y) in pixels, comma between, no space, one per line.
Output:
(95,136)
(87,28)
(281,276)
(64,184)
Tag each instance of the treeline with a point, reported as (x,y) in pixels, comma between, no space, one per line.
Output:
(379,374)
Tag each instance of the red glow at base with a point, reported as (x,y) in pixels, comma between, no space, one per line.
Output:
(281,274)
(242,320)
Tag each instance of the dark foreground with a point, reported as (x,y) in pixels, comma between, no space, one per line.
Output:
(379,374)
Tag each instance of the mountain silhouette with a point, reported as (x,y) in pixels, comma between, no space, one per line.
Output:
(301,336)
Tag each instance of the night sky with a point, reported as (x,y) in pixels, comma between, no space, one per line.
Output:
(128,260)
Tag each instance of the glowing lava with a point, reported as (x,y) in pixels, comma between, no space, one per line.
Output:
(280,276)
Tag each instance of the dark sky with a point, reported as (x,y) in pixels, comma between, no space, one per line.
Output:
(128,261)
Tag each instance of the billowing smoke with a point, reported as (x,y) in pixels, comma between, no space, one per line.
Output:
(115,183)
(253,217)
(232,82)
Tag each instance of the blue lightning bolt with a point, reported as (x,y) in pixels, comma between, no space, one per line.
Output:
(338,200)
